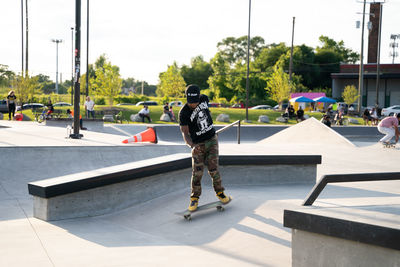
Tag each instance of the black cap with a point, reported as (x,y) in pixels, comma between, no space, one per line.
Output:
(192,93)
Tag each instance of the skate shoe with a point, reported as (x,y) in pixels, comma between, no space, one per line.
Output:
(194,202)
(224,199)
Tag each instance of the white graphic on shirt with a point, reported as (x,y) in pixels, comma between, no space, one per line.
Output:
(202,121)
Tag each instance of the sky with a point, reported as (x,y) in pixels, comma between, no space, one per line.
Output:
(144,37)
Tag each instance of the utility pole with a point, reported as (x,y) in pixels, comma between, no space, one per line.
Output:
(26,46)
(291,55)
(87,49)
(248,66)
(76,134)
(378,57)
(142,88)
(361,69)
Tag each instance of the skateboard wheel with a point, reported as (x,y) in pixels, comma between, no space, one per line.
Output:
(188,217)
(219,208)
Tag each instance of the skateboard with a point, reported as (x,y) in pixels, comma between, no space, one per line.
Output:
(217,204)
(389,145)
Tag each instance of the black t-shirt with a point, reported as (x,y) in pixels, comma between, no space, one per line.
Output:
(199,120)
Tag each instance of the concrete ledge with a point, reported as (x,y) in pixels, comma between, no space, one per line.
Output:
(64,122)
(108,189)
(321,236)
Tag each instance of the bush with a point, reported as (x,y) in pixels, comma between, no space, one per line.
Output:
(130,99)
(100,101)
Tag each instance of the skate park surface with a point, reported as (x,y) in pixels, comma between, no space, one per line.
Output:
(249,232)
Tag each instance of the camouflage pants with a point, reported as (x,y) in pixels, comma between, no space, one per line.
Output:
(205,153)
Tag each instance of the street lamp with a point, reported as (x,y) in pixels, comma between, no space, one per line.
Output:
(394,45)
(57,41)
(72,66)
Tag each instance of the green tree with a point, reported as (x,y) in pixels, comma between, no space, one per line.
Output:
(269,56)
(234,50)
(171,83)
(278,85)
(197,73)
(6,75)
(346,55)
(26,87)
(221,80)
(350,94)
(108,82)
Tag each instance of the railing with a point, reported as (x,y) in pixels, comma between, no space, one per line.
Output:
(230,126)
(342,178)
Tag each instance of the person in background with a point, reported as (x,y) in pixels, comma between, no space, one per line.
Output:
(145,113)
(167,111)
(300,114)
(367,117)
(50,108)
(11,104)
(71,115)
(326,120)
(389,126)
(172,113)
(89,107)
(291,112)
(374,116)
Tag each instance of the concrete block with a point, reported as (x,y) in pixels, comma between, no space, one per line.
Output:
(263,118)
(222,118)
(165,117)
(311,249)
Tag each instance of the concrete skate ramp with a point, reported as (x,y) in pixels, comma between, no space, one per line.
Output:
(311,132)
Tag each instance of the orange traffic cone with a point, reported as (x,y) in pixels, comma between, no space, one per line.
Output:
(148,135)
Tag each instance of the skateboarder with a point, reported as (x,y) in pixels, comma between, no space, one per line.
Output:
(389,127)
(198,132)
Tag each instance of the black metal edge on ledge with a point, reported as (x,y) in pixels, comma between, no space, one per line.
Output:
(269,159)
(349,177)
(345,229)
(107,179)
(164,167)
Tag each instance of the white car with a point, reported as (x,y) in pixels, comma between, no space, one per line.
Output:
(62,104)
(390,111)
(176,103)
(262,107)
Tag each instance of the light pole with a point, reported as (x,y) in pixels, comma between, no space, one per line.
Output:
(72,66)
(291,55)
(22,35)
(248,66)
(57,41)
(87,49)
(394,45)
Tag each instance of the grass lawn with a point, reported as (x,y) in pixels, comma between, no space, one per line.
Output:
(156,112)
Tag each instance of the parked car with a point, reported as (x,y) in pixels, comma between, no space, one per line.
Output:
(238,105)
(284,106)
(61,104)
(214,105)
(3,106)
(147,103)
(390,111)
(32,106)
(176,103)
(262,107)
(125,104)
